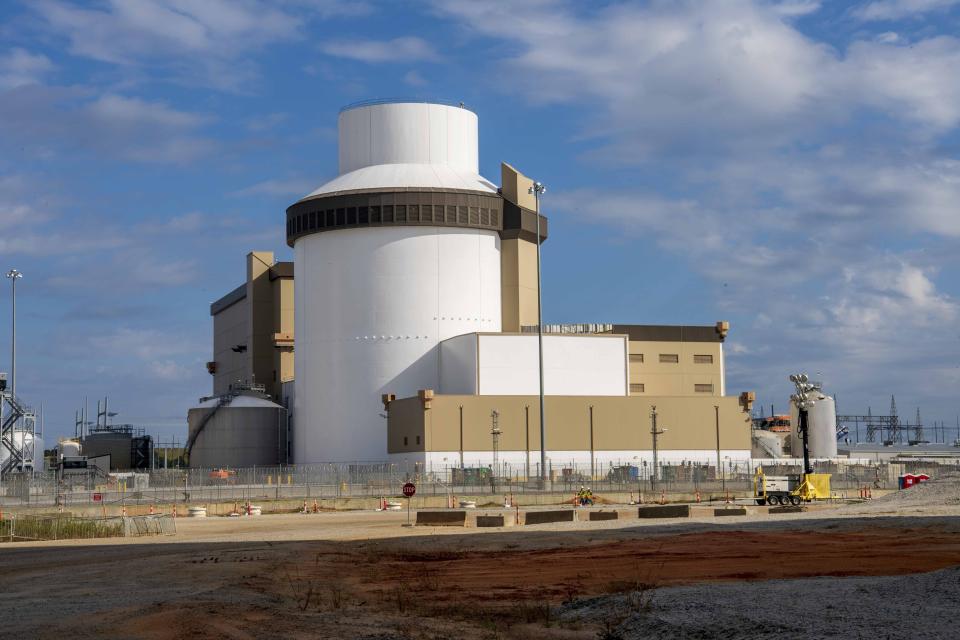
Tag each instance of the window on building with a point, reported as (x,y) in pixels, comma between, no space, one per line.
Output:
(703,359)
(703,388)
(669,358)
(636,357)
(636,387)
(404,440)
(418,439)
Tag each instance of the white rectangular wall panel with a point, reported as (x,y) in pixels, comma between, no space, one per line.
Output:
(572,364)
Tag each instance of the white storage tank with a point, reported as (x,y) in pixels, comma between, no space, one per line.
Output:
(822,426)
(30,444)
(398,253)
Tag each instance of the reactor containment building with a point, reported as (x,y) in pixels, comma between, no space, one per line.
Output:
(409,316)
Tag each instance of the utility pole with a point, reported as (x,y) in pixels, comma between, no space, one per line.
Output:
(461,440)
(495,434)
(13,275)
(538,189)
(592,458)
(654,431)
(526,471)
(716,413)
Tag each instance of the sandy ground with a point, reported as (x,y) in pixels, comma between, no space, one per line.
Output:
(847,572)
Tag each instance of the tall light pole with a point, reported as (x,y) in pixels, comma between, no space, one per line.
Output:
(14,275)
(538,189)
(654,431)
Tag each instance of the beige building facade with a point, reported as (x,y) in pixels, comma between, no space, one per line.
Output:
(253,329)
(456,430)
(666,360)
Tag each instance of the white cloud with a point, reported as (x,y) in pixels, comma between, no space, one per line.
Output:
(291,187)
(675,77)
(414,79)
(197,41)
(897,9)
(404,49)
(20,67)
(118,126)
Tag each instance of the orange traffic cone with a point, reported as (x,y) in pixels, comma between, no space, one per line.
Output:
(316,507)
(174,511)
(698,496)
(663,497)
(151,509)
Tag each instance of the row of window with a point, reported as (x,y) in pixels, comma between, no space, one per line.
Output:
(673,358)
(405,440)
(393,214)
(638,387)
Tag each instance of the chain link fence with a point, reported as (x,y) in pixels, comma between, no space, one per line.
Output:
(371,480)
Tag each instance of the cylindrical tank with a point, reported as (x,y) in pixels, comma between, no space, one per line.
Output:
(767,444)
(30,444)
(237,431)
(68,448)
(822,425)
(372,303)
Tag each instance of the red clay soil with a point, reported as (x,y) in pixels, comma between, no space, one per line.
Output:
(423,587)
(553,574)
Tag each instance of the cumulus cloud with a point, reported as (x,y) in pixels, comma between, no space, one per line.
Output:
(207,42)
(675,76)
(19,67)
(404,49)
(123,127)
(897,9)
(291,187)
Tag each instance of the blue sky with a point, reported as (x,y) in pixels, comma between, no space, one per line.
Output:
(790,166)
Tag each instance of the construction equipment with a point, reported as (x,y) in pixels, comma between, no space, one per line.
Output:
(783,490)
(809,486)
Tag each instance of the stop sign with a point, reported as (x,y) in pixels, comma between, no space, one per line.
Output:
(409,489)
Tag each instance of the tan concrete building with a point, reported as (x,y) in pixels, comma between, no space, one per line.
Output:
(676,360)
(599,431)
(253,329)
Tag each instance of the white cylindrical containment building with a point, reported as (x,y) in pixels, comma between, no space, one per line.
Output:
(399,252)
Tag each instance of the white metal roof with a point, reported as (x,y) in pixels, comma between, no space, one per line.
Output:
(391,176)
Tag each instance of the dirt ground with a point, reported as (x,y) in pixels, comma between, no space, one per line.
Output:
(363,575)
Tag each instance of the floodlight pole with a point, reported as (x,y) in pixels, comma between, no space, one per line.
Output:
(537,190)
(14,275)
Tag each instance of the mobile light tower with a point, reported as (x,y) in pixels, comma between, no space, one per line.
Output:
(804,399)
(538,189)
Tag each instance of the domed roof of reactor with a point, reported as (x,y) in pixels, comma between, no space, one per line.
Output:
(404,145)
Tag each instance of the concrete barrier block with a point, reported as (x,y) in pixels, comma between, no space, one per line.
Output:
(665,511)
(442,518)
(544,517)
(731,511)
(603,515)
